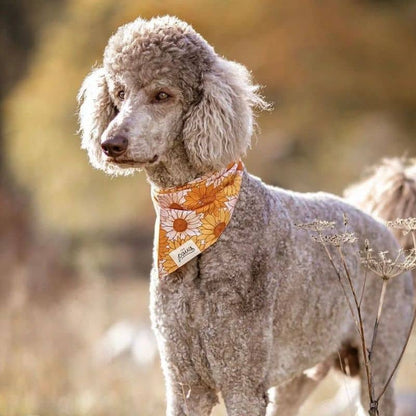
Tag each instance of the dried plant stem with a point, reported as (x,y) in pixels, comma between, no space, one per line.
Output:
(400,356)
(185,396)
(358,322)
(363,289)
(377,322)
(382,266)
(347,372)
(342,286)
(365,351)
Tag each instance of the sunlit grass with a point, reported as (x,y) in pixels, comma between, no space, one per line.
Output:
(48,366)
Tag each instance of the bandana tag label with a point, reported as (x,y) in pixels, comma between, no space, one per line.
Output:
(185,253)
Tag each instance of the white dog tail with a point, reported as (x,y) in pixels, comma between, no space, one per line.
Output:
(389,192)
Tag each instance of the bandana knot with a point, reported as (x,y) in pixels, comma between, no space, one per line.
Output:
(190,218)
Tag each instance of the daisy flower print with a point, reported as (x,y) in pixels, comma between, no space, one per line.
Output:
(180,224)
(173,200)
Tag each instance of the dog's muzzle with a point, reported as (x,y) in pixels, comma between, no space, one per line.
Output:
(116,146)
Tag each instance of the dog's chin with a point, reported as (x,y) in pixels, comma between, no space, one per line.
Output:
(113,169)
(127,166)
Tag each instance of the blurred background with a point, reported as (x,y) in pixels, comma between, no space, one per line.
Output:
(75,245)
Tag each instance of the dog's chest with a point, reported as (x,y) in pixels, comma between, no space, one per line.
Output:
(180,311)
(181,299)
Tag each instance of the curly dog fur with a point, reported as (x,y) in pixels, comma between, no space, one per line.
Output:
(389,192)
(250,314)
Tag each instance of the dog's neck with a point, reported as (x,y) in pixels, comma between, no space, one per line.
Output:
(172,171)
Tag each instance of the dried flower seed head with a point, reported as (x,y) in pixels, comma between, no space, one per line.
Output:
(383,256)
(336,240)
(317,225)
(387,267)
(405,224)
(345,218)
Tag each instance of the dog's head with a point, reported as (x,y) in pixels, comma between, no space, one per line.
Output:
(162,86)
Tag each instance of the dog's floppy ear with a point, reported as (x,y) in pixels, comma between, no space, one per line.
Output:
(218,129)
(96,110)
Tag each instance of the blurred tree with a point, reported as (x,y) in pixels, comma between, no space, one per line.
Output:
(20,26)
(340,75)
(20,23)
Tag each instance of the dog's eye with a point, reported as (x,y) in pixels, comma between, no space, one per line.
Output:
(162,96)
(121,95)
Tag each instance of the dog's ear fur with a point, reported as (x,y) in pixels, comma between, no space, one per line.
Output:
(218,129)
(96,110)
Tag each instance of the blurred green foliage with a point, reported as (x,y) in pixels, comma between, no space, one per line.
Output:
(340,75)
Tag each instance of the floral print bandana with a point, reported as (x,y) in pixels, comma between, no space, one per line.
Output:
(192,217)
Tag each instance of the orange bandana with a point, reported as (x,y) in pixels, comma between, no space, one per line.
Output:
(192,217)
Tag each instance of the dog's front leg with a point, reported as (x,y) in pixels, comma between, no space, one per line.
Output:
(238,349)
(245,400)
(187,394)
(243,388)
(185,399)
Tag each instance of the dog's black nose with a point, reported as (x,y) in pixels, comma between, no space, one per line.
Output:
(116,146)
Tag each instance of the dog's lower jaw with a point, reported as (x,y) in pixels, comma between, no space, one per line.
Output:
(172,169)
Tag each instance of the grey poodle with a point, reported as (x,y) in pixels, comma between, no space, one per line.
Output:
(250,314)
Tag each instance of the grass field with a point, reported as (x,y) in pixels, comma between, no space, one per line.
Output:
(48,365)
